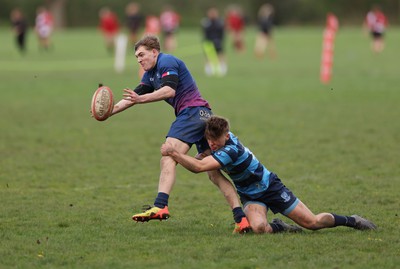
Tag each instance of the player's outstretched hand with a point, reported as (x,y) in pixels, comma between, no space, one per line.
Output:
(131,96)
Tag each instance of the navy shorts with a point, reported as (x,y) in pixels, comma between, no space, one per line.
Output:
(189,127)
(277,197)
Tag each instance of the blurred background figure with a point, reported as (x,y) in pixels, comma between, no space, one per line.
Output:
(153,26)
(44,25)
(169,20)
(235,21)
(376,22)
(20,28)
(109,27)
(134,21)
(213,44)
(264,41)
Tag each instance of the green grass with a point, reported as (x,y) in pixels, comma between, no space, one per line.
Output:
(69,184)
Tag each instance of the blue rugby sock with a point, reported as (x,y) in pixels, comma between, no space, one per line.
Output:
(161,200)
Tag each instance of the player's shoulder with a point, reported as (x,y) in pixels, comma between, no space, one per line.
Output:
(167,60)
(164,57)
(234,142)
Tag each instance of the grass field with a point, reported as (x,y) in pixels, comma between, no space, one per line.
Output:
(69,184)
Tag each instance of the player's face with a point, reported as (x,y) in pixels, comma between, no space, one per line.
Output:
(217,143)
(146,58)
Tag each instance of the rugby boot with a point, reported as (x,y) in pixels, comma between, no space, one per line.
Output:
(152,213)
(287,227)
(242,227)
(363,224)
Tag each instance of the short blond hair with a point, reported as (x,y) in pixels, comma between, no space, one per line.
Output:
(150,42)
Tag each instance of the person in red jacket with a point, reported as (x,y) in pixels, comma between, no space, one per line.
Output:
(376,22)
(109,26)
(235,21)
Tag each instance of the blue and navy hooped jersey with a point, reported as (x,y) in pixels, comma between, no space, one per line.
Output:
(187,94)
(247,173)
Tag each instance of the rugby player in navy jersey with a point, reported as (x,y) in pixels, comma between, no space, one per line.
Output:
(258,188)
(167,78)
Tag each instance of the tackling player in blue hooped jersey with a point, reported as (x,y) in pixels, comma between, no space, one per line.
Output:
(258,188)
(167,78)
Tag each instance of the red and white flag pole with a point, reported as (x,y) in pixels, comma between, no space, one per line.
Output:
(332,25)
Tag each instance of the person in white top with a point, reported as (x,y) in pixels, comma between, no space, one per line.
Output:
(44,27)
(376,23)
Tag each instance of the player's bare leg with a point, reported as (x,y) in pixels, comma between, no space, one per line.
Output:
(257,216)
(168,166)
(303,216)
(226,187)
(166,183)
(229,192)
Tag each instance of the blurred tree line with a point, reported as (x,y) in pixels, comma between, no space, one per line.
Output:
(76,13)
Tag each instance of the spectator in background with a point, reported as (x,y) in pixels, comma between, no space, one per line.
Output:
(44,27)
(264,41)
(213,44)
(376,22)
(134,20)
(109,27)
(235,22)
(153,26)
(169,20)
(20,27)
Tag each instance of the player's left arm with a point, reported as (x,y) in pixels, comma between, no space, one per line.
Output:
(192,164)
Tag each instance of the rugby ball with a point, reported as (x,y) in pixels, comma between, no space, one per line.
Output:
(102,103)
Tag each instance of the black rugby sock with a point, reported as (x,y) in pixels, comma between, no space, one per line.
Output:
(276,227)
(344,221)
(238,214)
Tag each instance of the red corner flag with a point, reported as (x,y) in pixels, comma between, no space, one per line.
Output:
(332,24)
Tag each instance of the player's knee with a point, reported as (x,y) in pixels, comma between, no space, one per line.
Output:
(259,227)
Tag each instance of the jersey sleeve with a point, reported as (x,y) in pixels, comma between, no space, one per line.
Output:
(168,66)
(169,71)
(225,156)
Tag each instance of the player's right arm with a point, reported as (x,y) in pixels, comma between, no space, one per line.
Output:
(163,93)
(125,103)
(192,164)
